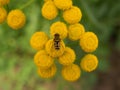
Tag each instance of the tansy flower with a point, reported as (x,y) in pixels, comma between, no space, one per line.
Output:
(4,2)
(38,40)
(59,28)
(49,11)
(47,73)
(75,31)
(72,15)
(63,4)
(3,15)
(51,49)
(89,63)
(71,72)
(89,42)
(54,48)
(68,57)
(16,19)
(43,60)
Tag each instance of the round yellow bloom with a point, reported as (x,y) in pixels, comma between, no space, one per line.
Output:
(49,11)
(16,19)
(71,72)
(51,49)
(4,2)
(59,28)
(68,57)
(47,73)
(3,15)
(89,63)
(43,60)
(38,40)
(72,15)
(63,4)
(75,31)
(89,42)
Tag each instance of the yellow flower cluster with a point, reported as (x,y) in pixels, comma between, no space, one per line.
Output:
(48,51)
(75,31)
(44,62)
(71,14)
(53,47)
(15,18)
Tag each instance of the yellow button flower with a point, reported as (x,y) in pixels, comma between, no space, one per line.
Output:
(59,28)
(51,48)
(16,19)
(72,15)
(89,63)
(71,72)
(75,31)
(4,2)
(89,42)
(68,57)
(43,60)
(63,4)
(3,15)
(49,11)
(38,40)
(47,73)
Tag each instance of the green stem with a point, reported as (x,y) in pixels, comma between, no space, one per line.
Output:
(8,8)
(27,4)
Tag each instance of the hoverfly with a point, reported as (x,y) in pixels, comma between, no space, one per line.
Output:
(57,41)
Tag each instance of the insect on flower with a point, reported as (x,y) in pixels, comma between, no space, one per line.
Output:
(57,41)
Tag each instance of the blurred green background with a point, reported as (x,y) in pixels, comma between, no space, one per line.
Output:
(17,69)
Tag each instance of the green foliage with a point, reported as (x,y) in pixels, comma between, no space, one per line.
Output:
(17,70)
